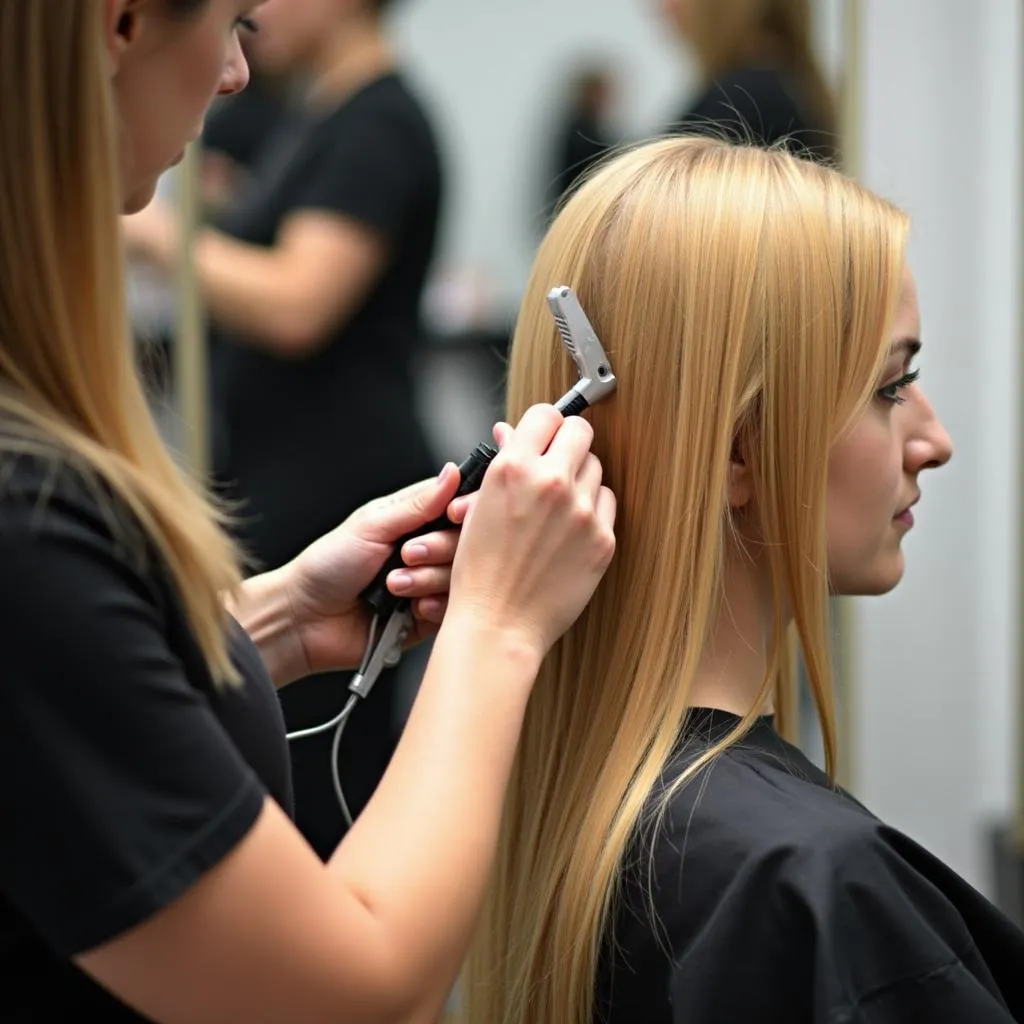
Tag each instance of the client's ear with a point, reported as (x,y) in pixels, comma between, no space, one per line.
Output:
(740,483)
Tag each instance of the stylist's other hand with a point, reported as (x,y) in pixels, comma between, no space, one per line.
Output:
(152,235)
(329,620)
(539,536)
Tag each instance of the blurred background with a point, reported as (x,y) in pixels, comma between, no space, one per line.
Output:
(518,94)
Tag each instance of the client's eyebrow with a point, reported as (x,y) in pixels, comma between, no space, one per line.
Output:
(905,347)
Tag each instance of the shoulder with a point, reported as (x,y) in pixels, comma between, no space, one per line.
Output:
(748,821)
(760,878)
(388,107)
(47,497)
(756,105)
(752,88)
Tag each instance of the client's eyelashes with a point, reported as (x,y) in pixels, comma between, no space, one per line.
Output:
(891,392)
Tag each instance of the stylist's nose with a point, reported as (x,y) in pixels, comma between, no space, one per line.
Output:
(236,71)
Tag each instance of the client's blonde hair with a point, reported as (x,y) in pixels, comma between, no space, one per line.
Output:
(743,297)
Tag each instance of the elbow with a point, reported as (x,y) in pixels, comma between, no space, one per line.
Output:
(401,986)
(296,332)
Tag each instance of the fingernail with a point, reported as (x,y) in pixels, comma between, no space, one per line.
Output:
(400,580)
(444,472)
(415,552)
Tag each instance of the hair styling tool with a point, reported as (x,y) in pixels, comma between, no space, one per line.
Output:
(392,618)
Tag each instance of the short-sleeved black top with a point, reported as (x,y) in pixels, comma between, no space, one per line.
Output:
(126,773)
(304,442)
(781,900)
(760,106)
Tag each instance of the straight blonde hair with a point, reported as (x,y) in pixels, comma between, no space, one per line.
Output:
(743,296)
(69,387)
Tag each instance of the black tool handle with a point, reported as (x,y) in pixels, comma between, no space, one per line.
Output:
(471,476)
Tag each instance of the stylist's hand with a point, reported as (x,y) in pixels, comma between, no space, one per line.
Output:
(152,235)
(538,537)
(324,582)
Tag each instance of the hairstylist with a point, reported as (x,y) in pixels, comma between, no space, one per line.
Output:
(148,866)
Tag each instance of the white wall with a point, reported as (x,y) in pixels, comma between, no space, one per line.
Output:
(941,118)
(493,69)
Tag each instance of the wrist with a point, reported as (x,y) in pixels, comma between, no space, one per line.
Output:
(474,630)
(264,609)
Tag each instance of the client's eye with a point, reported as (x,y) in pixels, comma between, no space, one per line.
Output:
(891,392)
(248,24)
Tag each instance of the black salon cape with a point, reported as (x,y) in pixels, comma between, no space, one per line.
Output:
(783,901)
(126,774)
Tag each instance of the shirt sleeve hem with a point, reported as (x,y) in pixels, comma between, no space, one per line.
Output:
(170,880)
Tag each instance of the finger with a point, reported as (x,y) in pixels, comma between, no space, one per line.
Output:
(431,549)
(428,581)
(535,431)
(606,507)
(430,609)
(413,507)
(571,445)
(590,477)
(460,508)
(502,432)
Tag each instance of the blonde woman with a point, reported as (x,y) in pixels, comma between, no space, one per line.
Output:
(667,856)
(149,869)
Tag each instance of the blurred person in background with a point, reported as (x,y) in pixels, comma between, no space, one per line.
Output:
(583,134)
(234,135)
(760,79)
(313,285)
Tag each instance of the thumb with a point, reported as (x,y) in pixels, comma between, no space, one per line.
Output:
(413,507)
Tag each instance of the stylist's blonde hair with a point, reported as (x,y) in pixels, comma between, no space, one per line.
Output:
(743,297)
(68,382)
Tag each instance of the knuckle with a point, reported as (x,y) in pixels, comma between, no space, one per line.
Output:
(582,517)
(606,546)
(555,489)
(508,469)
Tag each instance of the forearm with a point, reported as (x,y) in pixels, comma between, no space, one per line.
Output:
(263,609)
(246,292)
(420,854)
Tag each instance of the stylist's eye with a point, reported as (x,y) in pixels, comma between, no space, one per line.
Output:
(893,392)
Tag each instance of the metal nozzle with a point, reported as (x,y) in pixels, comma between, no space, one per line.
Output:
(596,377)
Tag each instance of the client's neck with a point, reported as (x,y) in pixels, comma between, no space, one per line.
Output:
(732,670)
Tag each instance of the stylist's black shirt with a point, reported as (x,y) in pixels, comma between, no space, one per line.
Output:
(125,774)
(781,900)
(304,442)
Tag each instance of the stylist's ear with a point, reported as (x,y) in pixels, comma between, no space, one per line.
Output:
(121,25)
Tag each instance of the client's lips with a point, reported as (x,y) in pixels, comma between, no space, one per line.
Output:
(906,516)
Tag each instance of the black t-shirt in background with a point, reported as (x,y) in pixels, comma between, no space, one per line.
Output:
(761,106)
(304,442)
(781,900)
(126,773)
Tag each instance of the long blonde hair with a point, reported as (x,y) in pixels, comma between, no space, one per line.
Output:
(743,297)
(724,32)
(68,382)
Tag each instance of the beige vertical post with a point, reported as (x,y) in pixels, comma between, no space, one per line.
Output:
(844,610)
(189,350)
(1018,816)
